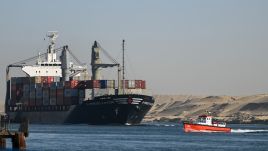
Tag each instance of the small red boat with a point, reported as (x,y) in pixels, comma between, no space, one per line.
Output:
(205,123)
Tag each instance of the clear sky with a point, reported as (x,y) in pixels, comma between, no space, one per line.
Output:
(199,47)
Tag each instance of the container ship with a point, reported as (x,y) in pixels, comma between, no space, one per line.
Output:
(59,90)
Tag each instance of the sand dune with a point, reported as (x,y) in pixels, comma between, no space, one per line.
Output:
(248,109)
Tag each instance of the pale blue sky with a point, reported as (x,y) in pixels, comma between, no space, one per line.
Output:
(199,47)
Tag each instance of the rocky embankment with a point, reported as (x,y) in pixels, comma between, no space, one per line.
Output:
(247,109)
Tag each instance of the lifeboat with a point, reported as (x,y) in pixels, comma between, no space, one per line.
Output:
(205,123)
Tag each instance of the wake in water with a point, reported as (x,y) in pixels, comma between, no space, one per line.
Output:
(248,131)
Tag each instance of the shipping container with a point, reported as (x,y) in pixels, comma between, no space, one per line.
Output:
(67,100)
(13,94)
(44,80)
(45,96)
(25,80)
(70,96)
(138,84)
(24,101)
(8,95)
(34,80)
(38,85)
(32,95)
(50,79)
(131,84)
(81,85)
(39,94)
(60,96)
(96,83)
(73,83)
(21,80)
(124,83)
(26,88)
(38,79)
(67,84)
(133,91)
(53,86)
(110,83)
(46,85)
(60,85)
(81,93)
(67,93)
(103,84)
(19,91)
(143,84)
(101,92)
(53,100)
(88,84)
(88,93)
(56,79)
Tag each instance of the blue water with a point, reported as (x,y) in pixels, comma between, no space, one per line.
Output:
(145,137)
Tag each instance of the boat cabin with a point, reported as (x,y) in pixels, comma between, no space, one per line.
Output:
(208,120)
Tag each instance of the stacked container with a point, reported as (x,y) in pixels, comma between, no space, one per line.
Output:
(45,96)
(32,95)
(60,88)
(13,91)
(110,84)
(39,94)
(53,94)
(96,84)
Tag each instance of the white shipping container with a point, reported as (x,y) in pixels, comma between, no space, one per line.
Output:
(100,92)
(131,84)
(110,83)
(133,91)
(88,93)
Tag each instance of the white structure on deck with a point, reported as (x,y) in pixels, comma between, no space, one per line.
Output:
(49,67)
(208,120)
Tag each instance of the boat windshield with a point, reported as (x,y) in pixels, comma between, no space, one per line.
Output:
(201,120)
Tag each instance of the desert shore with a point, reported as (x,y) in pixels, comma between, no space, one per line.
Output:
(232,109)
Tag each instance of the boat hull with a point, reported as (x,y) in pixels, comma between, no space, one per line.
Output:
(117,109)
(189,127)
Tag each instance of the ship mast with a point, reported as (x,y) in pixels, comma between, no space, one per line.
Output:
(51,54)
(123,65)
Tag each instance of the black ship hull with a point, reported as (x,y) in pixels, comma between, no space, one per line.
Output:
(114,109)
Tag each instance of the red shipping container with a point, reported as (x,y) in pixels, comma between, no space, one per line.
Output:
(126,83)
(96,84)
(50,79)
(138,84)
(143,84)
(74,83)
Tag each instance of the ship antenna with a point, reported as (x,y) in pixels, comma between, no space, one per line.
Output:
(123,48)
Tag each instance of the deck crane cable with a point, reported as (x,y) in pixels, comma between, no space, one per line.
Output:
(107,54)
(32,58)
(75,58)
